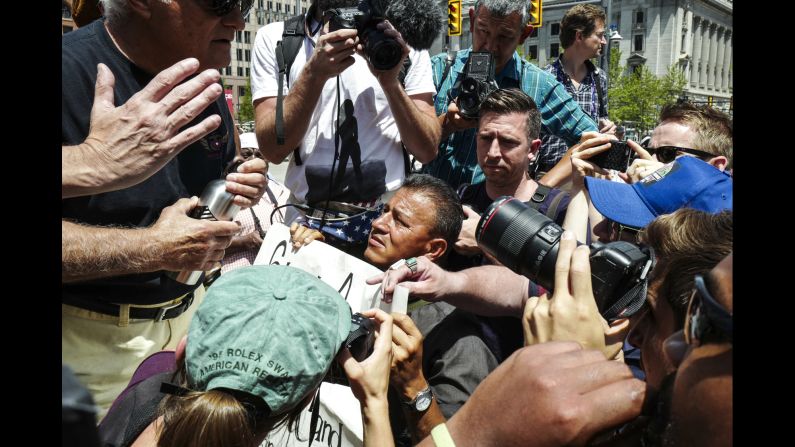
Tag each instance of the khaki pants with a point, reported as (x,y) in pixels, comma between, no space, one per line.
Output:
(104,350)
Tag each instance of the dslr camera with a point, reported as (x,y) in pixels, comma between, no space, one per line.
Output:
(527,242)
(477,82)
(361,339)
(617,156)
(382,51)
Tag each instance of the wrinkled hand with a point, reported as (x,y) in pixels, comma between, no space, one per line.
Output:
(301,235)
(369,379)
(136,139)
(333,53)
(572,314)
(552,394)
(466,243)
(390,76)
(249,242)
(248,183)
(191,244)
(606,126)
(406,376)
(642,166)
(429,283)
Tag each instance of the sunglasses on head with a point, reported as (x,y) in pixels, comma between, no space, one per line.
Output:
(667,154)
(224,7)
(706,320)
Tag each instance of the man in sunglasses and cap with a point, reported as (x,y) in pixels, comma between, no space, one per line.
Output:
(118,302)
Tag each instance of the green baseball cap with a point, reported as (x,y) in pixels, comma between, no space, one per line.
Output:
(271,331)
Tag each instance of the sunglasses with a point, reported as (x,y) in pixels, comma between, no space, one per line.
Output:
(616,229)
(706,320)
(224,7)
(667,154)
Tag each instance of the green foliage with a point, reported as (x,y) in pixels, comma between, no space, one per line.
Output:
(246,111)
(637,97)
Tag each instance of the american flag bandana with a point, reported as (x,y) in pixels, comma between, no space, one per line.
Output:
(354,229)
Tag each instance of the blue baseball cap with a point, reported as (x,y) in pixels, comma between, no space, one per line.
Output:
(687,182)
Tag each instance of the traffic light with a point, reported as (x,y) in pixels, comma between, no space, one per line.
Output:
(709,101)
(535,13)
(454,17)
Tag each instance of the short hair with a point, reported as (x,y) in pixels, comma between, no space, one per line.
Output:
(513,100)
(712,129)
(504,8)
(117,10)
(580,18)
(686,242)
(449,214)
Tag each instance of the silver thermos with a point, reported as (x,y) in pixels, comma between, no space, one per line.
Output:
(215,203)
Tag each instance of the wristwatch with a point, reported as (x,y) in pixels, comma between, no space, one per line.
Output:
(422,401)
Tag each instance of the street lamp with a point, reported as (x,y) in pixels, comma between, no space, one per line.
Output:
(612,36)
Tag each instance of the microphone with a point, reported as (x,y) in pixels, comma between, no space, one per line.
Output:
(419,21)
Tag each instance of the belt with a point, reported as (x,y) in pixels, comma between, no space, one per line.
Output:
(160,313)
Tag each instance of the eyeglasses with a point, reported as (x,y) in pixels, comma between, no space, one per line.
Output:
(667,154)
(706,320)
(616,229)
(224,7)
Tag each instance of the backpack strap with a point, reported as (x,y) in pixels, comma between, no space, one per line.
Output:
(539,196)
(448,63)
(404,70)
(552,211)
(286,51)
(600,95)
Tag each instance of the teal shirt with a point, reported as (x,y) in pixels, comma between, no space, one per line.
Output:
(456,160)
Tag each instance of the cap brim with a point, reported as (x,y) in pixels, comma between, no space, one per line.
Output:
(619,202)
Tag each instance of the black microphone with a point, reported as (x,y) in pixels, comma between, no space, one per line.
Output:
(419,21)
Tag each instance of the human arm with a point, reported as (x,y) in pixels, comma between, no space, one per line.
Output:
(331,56)
(571,314)
(174,242)
(452,121)
(471,290)
(579,210)
(407,377)
(369,381)
(552,394)
(129,143)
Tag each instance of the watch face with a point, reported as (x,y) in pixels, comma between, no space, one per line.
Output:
(423,401)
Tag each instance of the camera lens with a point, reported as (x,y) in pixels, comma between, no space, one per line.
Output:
(521,238)
(383,52)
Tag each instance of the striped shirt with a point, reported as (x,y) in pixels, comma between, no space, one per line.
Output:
(456,161)
(552,147)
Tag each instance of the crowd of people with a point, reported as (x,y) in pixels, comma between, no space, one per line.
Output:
(523,344)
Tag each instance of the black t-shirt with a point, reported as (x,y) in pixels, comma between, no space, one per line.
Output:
(140,205)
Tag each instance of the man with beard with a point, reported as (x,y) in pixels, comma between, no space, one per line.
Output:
(340,124)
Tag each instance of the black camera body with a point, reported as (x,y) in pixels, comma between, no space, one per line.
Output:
(477,82)
(617,156)
(382,51)
(527,242)
(361,339)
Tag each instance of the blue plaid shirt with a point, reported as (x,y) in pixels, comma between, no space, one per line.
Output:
(456,161)
(552,147)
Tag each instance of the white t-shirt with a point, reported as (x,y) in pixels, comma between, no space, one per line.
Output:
(378,137)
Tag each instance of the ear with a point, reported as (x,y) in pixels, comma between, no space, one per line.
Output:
(719,162)
(535,145)
(180,353)
(435,249)
(141,7)
(526,32)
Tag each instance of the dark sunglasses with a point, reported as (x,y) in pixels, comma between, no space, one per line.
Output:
(224,7)
(617,228)
(667,154)
(706,320)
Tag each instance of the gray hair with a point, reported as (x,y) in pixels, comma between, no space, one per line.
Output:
(116,10)
(504,8)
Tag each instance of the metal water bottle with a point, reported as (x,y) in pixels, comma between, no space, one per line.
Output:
(215,203)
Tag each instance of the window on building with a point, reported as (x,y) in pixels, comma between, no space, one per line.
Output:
(532,52)
(228,70)
(240,54)
(638,41)
(247,36)
(638,17)
(239,36)
(682,46)
(260,3)
(248,55)
(534,33)
(635,69)
(65,29)
(260,21)
(270,5)
(66,12)
(554,50)
(287,8)
(554,30)
(248,72)
(241,91)
(240,71)
(279,7)
(303,10)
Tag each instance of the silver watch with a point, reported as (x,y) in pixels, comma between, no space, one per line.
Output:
(422,401)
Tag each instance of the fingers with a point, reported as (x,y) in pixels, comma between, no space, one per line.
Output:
(371,280)
(183,206)
(613,404)
(167,79)
(302,235)
(103,88)
(642,153)
(185,92)
(221,229)
(349,364)
(406,325)
(185,105)
(384,320)
(563,263)
(470,213)
(194,133)
(581,276)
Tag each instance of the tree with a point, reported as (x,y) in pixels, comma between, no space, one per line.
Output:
(638,96)
(246,108)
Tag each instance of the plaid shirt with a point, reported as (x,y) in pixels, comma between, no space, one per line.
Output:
(456,161)
(552,147)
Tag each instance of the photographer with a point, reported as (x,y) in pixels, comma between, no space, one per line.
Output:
(497,27)
(365,114)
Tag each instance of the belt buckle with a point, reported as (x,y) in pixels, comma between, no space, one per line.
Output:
(161,313)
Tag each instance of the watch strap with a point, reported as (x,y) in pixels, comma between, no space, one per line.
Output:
(413,403)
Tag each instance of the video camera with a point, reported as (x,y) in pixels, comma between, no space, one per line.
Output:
(527,242)
(382,51)
(476,83)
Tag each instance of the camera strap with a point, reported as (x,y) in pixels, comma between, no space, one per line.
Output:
(286,51)
(599,94)
(635,298)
